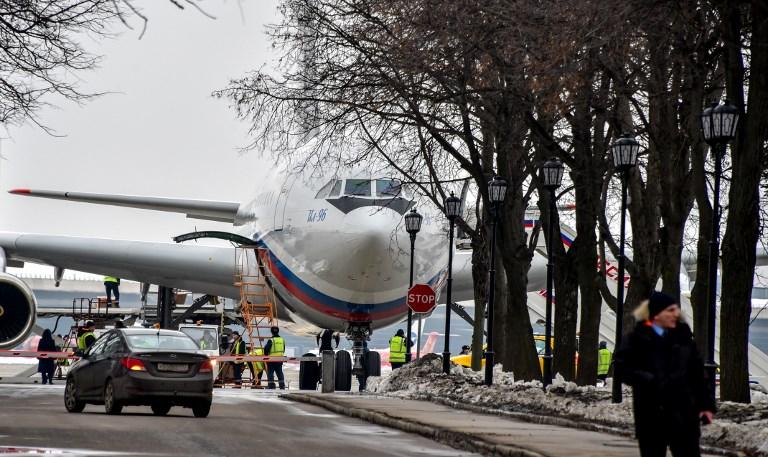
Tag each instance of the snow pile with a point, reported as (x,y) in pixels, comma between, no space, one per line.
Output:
(737,426)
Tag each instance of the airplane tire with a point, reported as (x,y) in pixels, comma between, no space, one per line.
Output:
(343,371)
(309,374)
(373,364)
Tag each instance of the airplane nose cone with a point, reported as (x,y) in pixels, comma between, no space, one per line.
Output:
(371,257)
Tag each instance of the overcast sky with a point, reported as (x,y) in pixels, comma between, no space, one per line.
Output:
(159,132)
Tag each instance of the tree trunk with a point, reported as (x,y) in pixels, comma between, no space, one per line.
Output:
(519,349)
(480,278)
(742,231)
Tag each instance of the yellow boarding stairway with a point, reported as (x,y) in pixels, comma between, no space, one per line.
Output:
(257,298)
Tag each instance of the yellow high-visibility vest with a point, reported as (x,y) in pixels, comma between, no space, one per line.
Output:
(110,279)
(258,366)
(278,346)
(603,361)
(81,340)
(236,349)
(397,349)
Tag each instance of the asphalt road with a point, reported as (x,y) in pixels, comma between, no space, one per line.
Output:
(242,423)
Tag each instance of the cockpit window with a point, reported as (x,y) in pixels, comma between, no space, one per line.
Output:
(326,189)
(388,188)
(358,188)
(336,189)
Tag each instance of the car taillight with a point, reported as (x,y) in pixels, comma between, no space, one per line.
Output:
(133,364)
(206,367)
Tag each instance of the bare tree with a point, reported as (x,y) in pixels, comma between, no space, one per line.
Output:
(41,50)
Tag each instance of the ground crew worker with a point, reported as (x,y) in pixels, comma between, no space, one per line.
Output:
(465,350)
(256,367)
(112,284)
(206,341)
(603,361)
(275,348)
(87,337)
(324,339)
(397,350)
(238,348)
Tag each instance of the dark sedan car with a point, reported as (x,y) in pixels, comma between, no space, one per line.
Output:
(136,366)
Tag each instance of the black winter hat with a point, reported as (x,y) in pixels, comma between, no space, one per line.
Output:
(658,302)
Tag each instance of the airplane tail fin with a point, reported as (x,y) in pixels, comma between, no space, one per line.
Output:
(429,345)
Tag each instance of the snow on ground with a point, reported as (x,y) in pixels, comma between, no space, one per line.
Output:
(737,426)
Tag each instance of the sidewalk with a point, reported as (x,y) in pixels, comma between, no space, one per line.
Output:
(483,433)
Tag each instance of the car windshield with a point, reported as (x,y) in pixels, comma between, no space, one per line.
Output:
(204,337)
(158,342)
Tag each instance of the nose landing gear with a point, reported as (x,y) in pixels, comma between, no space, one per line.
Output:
(359,333)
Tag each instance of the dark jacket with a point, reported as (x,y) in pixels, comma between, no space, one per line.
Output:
(327,337)
(667,377)
(46,345)
(238,349)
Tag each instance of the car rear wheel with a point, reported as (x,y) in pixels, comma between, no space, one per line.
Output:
(160,409)
(111,405)
(202,409)
(71,401)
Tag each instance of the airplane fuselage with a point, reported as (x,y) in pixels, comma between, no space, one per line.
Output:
(344,256)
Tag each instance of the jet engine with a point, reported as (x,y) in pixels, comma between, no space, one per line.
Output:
(18,310)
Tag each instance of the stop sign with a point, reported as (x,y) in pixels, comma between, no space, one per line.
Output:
(421,298)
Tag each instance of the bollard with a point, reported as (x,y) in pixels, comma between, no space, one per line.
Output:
(329,365)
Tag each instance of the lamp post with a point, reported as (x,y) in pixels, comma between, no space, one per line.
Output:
(412,226)
(552,177)
(718,126)
(452,208)
(624,151)
(497,189)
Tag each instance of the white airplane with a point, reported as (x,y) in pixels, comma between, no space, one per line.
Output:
(336,248)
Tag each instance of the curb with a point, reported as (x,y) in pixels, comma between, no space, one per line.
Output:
(564,422)
(468,442)
(455,439)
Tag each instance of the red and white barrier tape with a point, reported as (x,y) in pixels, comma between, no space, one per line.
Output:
(40,355)
(263,358)
(220,358)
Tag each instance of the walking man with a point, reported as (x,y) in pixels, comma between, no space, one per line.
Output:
(660,361)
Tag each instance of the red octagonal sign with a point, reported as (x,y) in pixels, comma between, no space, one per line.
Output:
(421,298)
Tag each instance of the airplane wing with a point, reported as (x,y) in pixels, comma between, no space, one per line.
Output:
(195,209)
(463,283)
(202,269)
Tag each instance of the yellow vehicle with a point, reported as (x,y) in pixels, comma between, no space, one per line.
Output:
(466,359)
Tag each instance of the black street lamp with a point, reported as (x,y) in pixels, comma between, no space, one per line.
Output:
(718,126)
(497,190)
(624,151)
(412,226)
(551,177)
(452,209)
